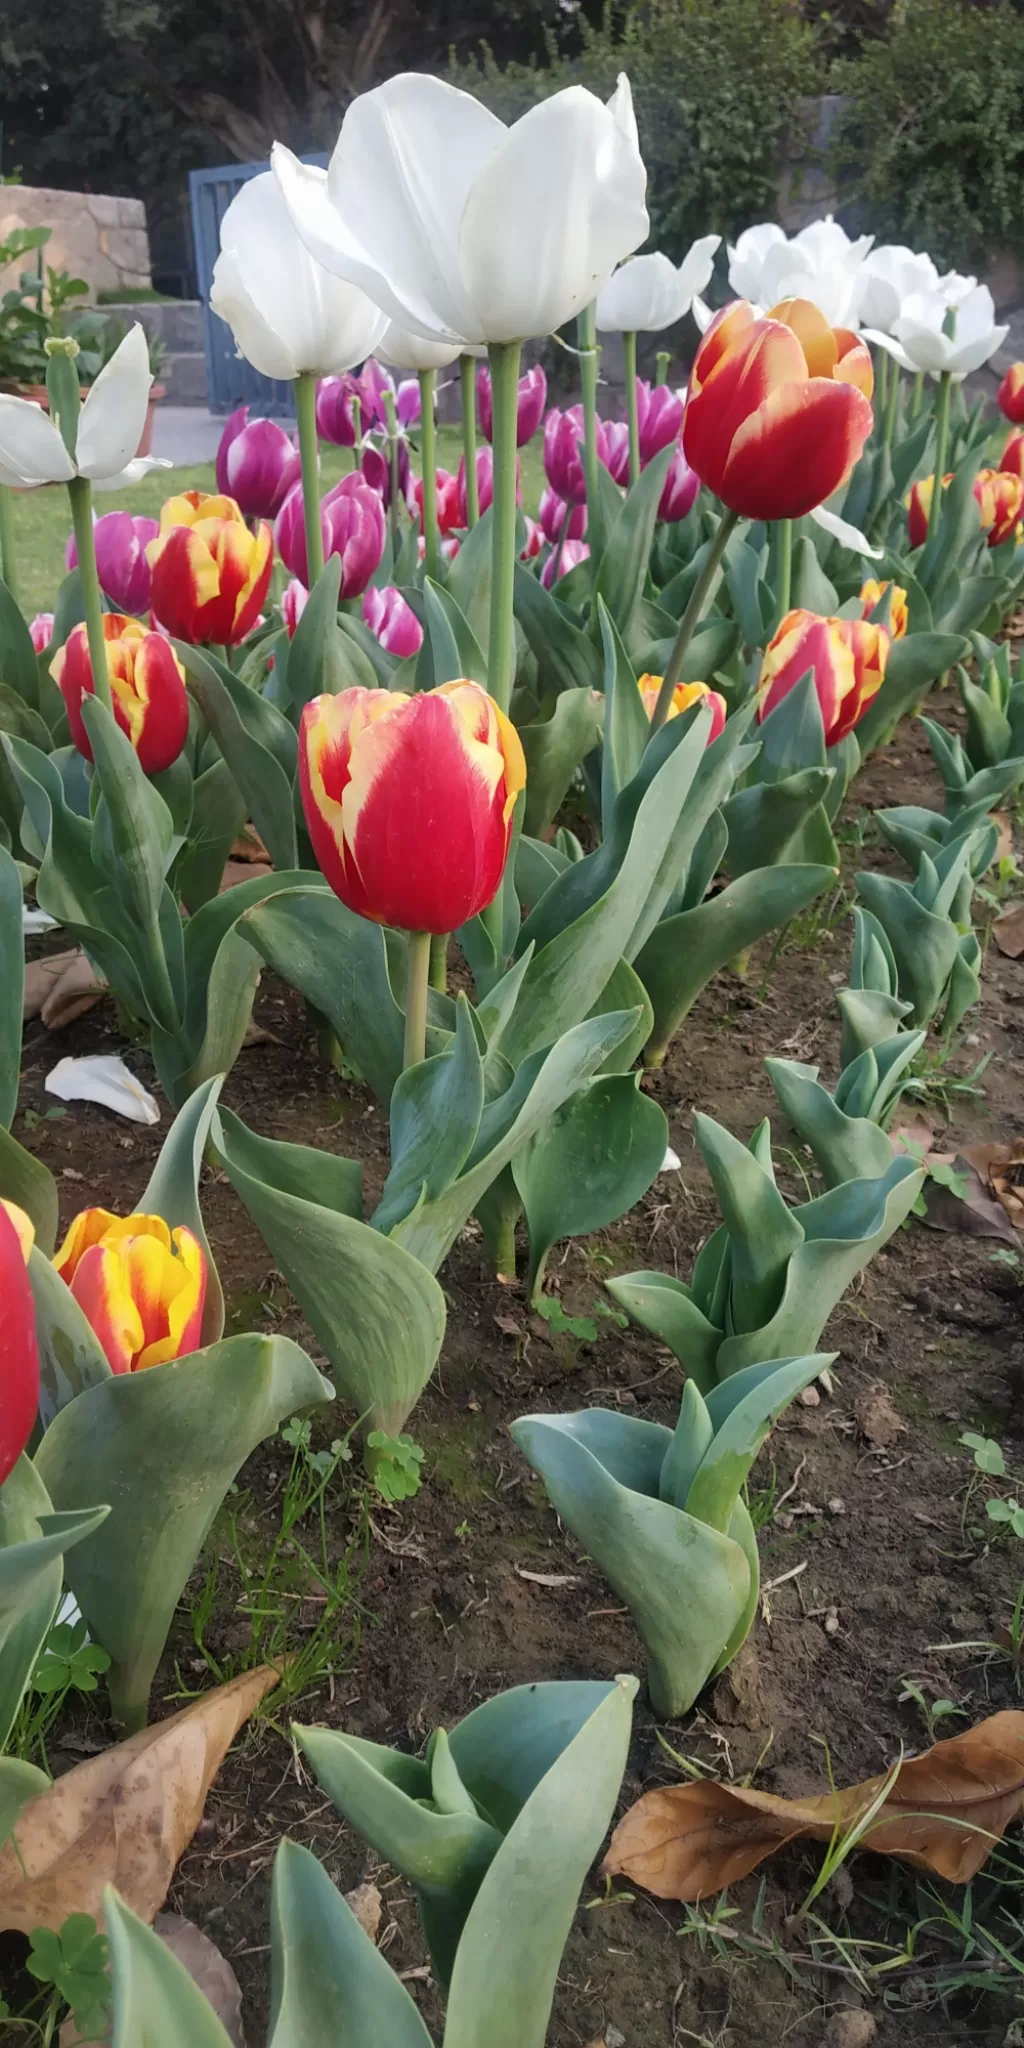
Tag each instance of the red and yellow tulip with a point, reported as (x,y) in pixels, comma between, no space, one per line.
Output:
(409,800)
(847,657)
(1000,496)
(683,696)
(140,1285)
(147,688)
(873,594)
(210,574)
(1011,461)
(19,1355)
(778,409)
(1010,395)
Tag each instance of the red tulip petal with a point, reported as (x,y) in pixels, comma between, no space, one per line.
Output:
(795,450)
(19,1355)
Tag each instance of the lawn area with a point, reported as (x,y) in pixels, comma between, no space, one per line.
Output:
(43,520)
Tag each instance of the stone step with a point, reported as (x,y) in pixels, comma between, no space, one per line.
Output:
(183,375)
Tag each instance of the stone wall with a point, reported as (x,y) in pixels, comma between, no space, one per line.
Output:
(96,237)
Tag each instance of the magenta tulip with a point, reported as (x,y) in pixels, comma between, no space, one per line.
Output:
(484,484)
(659,416)
(294,600)
(121,540)
(373,382)
(616,451)
(563,452)
(679,490)
(393,620)
(261,465)
(353,526)
(41,630)
(336,402)
(552,517)
(232,428)
(408,402)
(376,467)
(533,397)
(561,560)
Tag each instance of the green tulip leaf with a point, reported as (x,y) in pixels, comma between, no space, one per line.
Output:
(314,664)
(925,946)
(12,980)
(763,1232)
(19,1783)
(554,751)
(18,663)
(589,1164)
(845,1146)
(504,1748)
(627,727)
(71,1358)
(691,1438)
(667,1308)
(258,745)
(173,1191)
(339,962)
(218,815)
(131,845)
(33,1541)
(623,566)
(156,2003)
(737,1439)
(566,658)
(913,663)
(329,1983)
(451,644)
(435,1115)
(774,822)
(25,1180)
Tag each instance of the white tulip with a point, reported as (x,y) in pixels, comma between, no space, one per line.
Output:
(405,351)
(954,288)
(110,425)
(919,340)
(288,315)
(464,230)
(649,293)
(747,260)
(891,275)
(820,264)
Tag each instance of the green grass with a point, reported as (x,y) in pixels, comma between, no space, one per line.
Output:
(42,519)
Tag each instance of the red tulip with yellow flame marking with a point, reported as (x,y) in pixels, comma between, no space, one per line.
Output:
(19,1353)
(409,800)
(778,409)
(147,688)
(847,657)
(872,595)
(210,574)
(1010,395)
(140,1285)
(683,696)
(1000,496)
(1011,461)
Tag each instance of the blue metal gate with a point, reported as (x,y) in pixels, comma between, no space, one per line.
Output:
(230,380)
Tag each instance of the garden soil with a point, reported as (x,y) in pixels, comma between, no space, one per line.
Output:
(473,1585)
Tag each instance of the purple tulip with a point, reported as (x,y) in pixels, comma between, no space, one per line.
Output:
(120,540)
(376,468)
(353,526)
(232,429)
(659,416)
(393,620)
(294,600)
(408,402)
(336,401)
(680,489)
(561,560)
(533,397)
(373,383)
(616,455)
(563,452)
(260,466)
(552,517)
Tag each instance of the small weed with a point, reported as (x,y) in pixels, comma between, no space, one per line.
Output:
(932,1711)
(394,1463)
(34,1117)
(763,1500)
(73,1969)
(1010,1261)
(584,1327)
(68,1662)
(928,1080)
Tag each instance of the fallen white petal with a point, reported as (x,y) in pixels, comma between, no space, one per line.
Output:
(103,1078)
(33,921)
(851,536)
(671,1162)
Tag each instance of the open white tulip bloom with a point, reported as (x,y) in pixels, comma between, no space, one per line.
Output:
(289,316)
(820,264)
(890,275)
(649,293)
(462,229)
(954,289)
(405,351)
(110,424)
(919,340)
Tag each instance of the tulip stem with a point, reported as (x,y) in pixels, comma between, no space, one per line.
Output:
(882,361)
(467,378)
(309,456)
(80,494)
(439,962)
(8,550)
(417,984)
(918,395)
(590,357)
(428,459)
(392,423)
(503,358)
(629,359)
(698,597)
(784,558)
(661,363)
(892,404)
(941,442)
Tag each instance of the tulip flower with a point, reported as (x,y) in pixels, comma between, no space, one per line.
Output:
(568,555)
(659,418)
(289,316)
(41,631)
(147,687)
(1001,499)
(531,399)
(140,1286)
(451,499)
(920,498)
(409,402)
(210,574)
(534,540)
(771,436)
(682,697)
(847,658)
(337,401)
(375,386)
(257,465)
(484,485)
(120,540)
(1012,457)
(679,491)
(1010,395)
(563,452)
(889,276)
(375,464)
(515,245)
(614,450)
(408,351)
(393,621)
(294,599)
(872,595)
(553,512)
(352,524)
(19,1355)
(920,339)
(110,425)
(820,264)
(649,292)
(409,804)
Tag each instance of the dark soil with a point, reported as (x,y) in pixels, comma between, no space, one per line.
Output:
(868,1549)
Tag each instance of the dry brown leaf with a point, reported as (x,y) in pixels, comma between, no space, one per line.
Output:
(1003,823)
(249,846)
(124,1817)
(367,1905)
(243,871)
(1001,1167)
(61,988)
(974,1212)
(1008,932)
(943,1814)
(877,1419)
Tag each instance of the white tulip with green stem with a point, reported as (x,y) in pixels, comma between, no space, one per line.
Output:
(944,338)
(645,295)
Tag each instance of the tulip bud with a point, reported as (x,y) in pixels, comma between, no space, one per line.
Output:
(121,540)
(659,412)
(353,526)
(375,464)
(616,450)
(1012,458)
(562,559)
(1010,395)
(918,505)
(294,600)
(409,800)
(552,517)
(232,428)
(563,452)
(846,656)
(147,688)
(534,540)
(408,402)
(451,501)
(683,696)
(872,595)
(262,464)
(530,403)
(210,574)
(484,485)
(41,631)
(1000,497)
(387,614)
(373,382)
(19,1354)
(336,402)
(140,1286)
(679,491)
